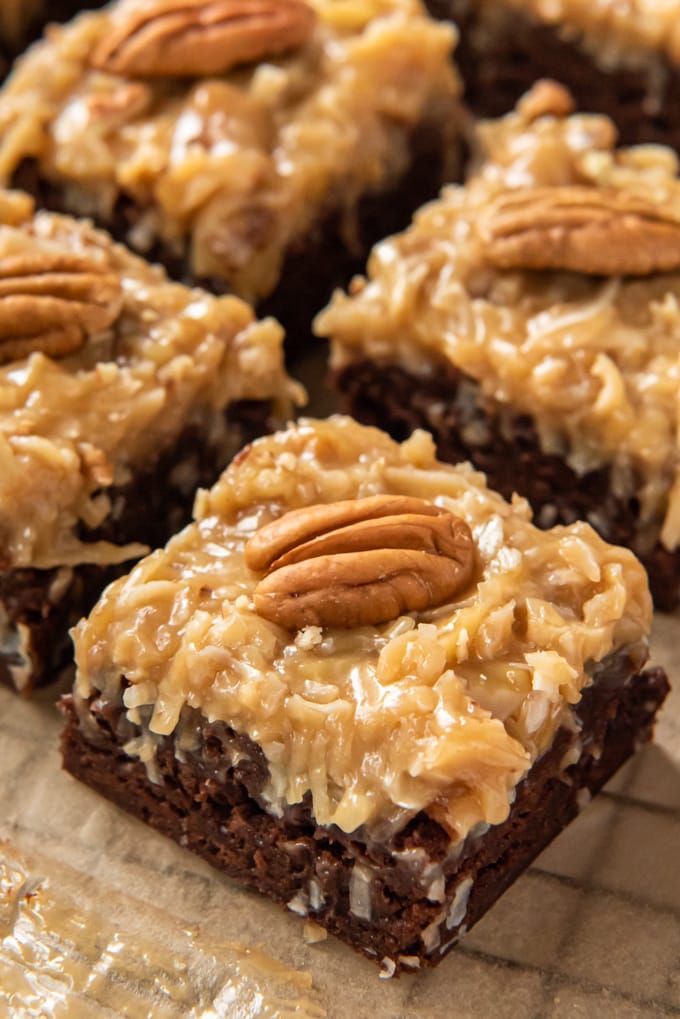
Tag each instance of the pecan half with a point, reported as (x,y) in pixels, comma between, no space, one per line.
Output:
(52,302)
(195,38)
(595,230)
(359,562)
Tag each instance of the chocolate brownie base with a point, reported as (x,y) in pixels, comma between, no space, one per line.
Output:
(316,264)
(500,66)
(506,448)
(37,607)
(209,800)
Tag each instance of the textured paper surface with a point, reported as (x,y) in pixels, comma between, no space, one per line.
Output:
(592,929)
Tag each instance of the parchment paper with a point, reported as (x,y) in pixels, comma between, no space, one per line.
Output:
(100,916)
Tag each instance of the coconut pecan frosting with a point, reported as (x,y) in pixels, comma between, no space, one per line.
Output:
(103,363)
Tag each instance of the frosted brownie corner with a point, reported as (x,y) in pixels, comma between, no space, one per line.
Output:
(364,684)
(530,320)
(120,394)
(249,145)
(620,59)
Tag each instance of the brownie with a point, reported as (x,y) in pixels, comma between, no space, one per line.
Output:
(375,691)
(529,320)
(620,60)
(120,394)
(263,163)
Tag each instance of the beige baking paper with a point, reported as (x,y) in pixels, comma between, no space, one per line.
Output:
(102,917)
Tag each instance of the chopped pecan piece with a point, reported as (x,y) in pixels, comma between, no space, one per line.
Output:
(195,38)
(359,562)
(546,98)
(52,302)
(594,230)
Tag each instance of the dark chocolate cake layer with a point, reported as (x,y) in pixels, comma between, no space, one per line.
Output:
(209,800)
(499,66)
(506,448)
(37,607)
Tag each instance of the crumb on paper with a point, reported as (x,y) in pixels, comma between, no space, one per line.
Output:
(313,933)
(387,968)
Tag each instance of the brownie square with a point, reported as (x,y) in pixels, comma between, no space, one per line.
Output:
(529,319)
(256,148)
(120,393)
(364,684)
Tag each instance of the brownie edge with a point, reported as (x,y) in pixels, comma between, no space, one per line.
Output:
(506,447)
(500,58)
(208,801)
(37,607)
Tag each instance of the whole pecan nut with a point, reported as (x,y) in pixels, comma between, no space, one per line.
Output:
(593,230)
(53,302)
(359,562)
(193,38)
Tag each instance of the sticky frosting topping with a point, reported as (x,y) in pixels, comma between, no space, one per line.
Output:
(115,363)
(552,279)
(230,169)
(441,710)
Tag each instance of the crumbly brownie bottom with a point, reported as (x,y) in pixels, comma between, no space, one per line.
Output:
(316,264)
(506,448)
(499,65)
(403,900)
(37,607)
